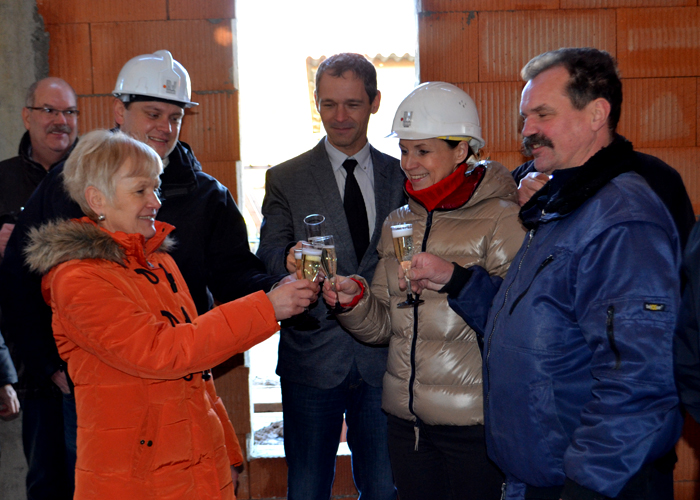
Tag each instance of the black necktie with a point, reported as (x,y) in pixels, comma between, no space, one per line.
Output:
(355,210)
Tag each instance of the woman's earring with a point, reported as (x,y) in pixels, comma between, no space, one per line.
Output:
(101,217)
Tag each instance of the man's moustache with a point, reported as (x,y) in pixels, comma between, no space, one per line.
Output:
(534,140)
(60,128)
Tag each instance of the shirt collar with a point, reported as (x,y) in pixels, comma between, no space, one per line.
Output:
(363,156)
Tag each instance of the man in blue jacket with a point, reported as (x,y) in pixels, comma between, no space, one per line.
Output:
(580,401)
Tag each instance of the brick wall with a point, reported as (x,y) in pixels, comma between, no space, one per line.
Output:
(481,45)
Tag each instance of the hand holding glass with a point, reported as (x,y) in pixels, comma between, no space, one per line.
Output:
(403,247)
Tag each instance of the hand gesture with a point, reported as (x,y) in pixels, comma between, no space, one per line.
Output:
(428,271)
(291,262)
(9,404)
(292,298)
(347,290)
(530,184)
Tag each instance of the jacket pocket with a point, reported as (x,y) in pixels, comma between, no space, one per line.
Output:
(541,268)
(147,440)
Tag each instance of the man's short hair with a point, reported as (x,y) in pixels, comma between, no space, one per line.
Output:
(96,159)
(338,64)
(593,75)
(30,98)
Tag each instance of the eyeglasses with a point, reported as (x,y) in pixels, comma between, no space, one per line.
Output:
(68,113)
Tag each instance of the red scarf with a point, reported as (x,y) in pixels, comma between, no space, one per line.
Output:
(451,192)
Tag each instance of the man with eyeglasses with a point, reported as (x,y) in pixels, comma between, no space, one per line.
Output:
(51,119)
(50,116)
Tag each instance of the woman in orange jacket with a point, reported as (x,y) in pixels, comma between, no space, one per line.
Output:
(150,424)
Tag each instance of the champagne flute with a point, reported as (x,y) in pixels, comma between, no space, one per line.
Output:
(329,261)
(297,259)
(311,257)
(315,226)
(403,247)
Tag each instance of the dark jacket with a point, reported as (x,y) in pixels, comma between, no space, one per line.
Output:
(663,179)
(306,185)
(212,253)
(8,375)
(19,177)
(578,368)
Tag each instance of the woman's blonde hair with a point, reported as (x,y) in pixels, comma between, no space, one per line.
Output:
(96,159)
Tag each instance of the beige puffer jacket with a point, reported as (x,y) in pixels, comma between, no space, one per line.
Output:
(441,384)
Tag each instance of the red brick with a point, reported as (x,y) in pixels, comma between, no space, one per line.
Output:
(70,44)
(100,11)
(212,127)
(686,161)
(210,9)
(610,4)
(193,43)
(510,159)
(480,5)
(508,40)
(228,174)
(95,112)
(654,43)
(688,464)
(497,104)
(268,478)
(660,112)
(448,47)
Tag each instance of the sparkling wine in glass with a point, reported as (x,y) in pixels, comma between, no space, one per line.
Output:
(311,257)
(403,247)
(297,259)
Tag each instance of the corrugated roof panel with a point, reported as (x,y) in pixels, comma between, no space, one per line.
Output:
(508,40)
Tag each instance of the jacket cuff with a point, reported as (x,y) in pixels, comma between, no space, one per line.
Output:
(459,278)
(357,297)
(574,491)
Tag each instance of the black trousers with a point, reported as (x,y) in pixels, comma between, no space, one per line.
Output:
(450,463)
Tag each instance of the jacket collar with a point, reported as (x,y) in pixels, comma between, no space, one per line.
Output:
(571,188)
(25,152)
(60,241)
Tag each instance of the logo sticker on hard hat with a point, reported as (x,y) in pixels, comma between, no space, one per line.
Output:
(170,86)
(407,115)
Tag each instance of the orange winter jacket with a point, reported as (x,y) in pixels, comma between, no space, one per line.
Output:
(150,425)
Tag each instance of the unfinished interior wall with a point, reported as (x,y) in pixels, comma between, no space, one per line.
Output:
(481,45)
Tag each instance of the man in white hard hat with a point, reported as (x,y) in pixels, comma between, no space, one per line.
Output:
(151,94)
(325,373)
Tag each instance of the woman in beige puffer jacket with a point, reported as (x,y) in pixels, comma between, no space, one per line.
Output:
(467,213)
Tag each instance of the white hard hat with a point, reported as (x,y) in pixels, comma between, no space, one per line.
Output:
(438,110)
(154,75)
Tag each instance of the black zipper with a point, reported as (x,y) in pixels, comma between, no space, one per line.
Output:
(610,331)
(544,264)
(531,235)
(414,341)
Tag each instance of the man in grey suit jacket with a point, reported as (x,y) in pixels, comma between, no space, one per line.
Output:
(325,372)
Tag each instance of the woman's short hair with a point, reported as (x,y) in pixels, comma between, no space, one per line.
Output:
(96,159)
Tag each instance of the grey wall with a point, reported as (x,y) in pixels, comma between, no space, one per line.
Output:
(24,58)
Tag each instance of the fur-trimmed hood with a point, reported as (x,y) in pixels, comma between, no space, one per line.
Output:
(60,241)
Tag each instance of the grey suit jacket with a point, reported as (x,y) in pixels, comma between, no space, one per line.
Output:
(294,189)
